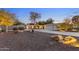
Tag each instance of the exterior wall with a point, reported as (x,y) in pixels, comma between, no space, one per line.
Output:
(29,26)
(51,27)
(11,27)
(35,26)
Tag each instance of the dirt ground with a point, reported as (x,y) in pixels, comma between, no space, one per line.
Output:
(28,41)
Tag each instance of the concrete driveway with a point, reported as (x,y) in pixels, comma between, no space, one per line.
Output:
(76,34)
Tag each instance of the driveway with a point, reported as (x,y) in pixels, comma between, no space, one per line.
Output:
(76,34)
(28,41)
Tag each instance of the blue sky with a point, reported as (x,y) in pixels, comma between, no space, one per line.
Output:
(58,14)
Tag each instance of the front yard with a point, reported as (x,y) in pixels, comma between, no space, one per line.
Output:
(28,41)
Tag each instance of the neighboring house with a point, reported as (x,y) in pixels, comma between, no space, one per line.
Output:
(47,26)
(11,27)
(32,26)
(51,27)
(29,26)
(16,26)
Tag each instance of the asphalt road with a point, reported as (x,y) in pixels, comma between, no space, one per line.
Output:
(28,41)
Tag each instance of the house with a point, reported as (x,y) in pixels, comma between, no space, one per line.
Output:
(36,26)
(16,26)
(11,27)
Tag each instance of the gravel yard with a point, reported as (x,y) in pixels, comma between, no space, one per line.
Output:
(28,41)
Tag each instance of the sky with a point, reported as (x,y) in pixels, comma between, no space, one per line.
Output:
(57,14)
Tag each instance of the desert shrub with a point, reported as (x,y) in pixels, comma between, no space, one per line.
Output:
(3,30)
(15,28)
(21,28)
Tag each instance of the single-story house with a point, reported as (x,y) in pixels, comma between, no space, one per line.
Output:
(11,27)
(32,26)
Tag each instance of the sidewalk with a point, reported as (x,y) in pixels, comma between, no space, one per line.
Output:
(76,34)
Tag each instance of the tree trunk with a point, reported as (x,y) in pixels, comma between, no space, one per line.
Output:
(6,28)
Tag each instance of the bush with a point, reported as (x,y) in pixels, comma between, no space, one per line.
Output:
(65,27)
(15,28)
(3,30)
(21,28)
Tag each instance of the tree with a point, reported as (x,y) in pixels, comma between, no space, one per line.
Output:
(67,21)
(49,21)
(17,22)
(75,19)
(34,16)
(6,19)
(41,22)
(65,27)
